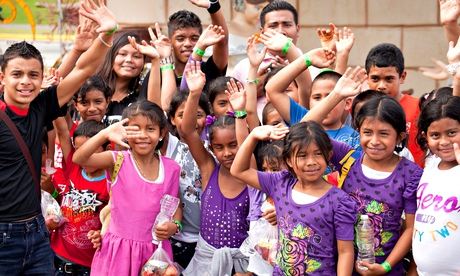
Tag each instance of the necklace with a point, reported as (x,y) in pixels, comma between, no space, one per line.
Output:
(139,167)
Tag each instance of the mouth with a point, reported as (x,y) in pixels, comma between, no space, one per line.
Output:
(95,117)
(186,52)
(25,92)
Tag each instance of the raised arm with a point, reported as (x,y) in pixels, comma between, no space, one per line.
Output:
(204,160)
(241,167)
(62,133)
(344,43)
(449,11)
(453,57)
(89,61)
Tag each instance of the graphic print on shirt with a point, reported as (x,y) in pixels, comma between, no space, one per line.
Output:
(376,212)
(79,208)
(294,240)
(190,172)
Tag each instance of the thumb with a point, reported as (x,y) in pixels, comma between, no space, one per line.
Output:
(364,264)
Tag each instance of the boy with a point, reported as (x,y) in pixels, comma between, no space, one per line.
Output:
(25,248)
(385,71)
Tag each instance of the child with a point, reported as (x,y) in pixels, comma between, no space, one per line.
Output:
(31,110)
(382,183)
(321,242)
(83,193)
(270,115)
(225,200)
(217,97)
(435,239)
(142,180)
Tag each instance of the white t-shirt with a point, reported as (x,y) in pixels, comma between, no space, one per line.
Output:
(436,237)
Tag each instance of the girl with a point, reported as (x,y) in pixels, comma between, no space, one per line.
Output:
(217,97)
(435,238)
(142,180)
(225,199)
(315,219)
(382,183)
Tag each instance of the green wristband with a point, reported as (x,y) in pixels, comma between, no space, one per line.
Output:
(112,31)
(199,52)
(166,67)
(179,225)
(254,81)
(240,114)
(307,60)
(286,46)
(55,194)
(386,266)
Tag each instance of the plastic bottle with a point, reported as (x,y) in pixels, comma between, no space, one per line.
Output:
(365,241)
(168,207)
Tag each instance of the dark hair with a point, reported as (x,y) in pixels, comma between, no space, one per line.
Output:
(302,135)
(106,70)
(150,110)
(362,98)
(278,5)
(268,108)
(21,50)
(218,86)
(327,75)
(271,152)
(183,19)
(221,122)
(437,109)
(93,83)
(385,109)
(434,94)
(89,129)
(385,55)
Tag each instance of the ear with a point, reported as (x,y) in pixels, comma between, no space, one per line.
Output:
(401,137)
(1,77)
(348,102)
(289,162)
(403,77)
(163,133)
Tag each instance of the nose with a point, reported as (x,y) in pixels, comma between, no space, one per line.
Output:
(227,152)
(374,140)
(92,107)
(444,140)
(25,79)
(188,43)
(381,86)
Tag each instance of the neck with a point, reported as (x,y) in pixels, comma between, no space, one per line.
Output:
(10,103)
(387,164)
(179,68)
(121,88)
(147,159)
(164,148)
(95,174)
(447,165)
(334,126)
(308,186)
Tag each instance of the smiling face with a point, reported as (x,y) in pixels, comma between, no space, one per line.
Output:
(22,80)
(149,138)
(224,145)
(183,40)
(441,136)
(128,62)
(93,106)
(308,163)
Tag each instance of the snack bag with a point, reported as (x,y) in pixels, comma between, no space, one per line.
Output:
(159,264)
(51,209)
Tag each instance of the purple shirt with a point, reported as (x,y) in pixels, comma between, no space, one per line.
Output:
(308,233)
(383,200)
(223,220)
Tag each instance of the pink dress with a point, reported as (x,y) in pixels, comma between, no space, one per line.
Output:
(135,203)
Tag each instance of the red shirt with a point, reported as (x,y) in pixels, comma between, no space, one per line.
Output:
(81,201)
(410,106)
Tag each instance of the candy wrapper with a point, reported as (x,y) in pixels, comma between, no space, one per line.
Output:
(51,209)
(159,264)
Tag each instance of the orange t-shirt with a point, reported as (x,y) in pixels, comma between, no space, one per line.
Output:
(410,106)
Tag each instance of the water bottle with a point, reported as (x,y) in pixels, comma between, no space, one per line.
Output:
(168,206)
(365,241)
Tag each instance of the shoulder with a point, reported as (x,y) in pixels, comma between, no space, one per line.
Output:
(169,163)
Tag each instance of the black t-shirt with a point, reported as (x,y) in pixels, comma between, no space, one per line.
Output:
(208,67)
(18,195)
(115,109)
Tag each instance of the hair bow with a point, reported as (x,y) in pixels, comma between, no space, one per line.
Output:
(210,119)
(231,114)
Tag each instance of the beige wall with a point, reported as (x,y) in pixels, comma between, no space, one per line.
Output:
(413,25)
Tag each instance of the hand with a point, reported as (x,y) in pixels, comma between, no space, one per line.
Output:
(438,72)
(45,182)
(328,37)
(345,40)
(255,57)
(449,10)
(100,14)
(321,57)
(267,132)
(194,77)
(372,269)
(85,36)
(165,230)
(270,216)
(274,41)
(118,133)
(53,223)
(161,42)
(95,237)
(457,152)
(236,95)
(201,3)
(144,48)
(349,84)
(210,36)
(453,54)
(53,78)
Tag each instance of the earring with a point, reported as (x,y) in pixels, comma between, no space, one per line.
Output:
(161,139)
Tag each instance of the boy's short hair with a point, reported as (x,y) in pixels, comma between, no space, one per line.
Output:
(21,50)
(385,55)
(278,5)
(183,19)
(327,75)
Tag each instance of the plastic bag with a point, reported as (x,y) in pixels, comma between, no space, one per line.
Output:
(159,264)
(51,209)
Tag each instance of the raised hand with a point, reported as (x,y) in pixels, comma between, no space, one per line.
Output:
(85,36)
(53,78)
(210,36)
(201,3)
(255,57)
(449,10)
(118,133)
(453,54)
(274,41)
(321,57)
(194,77)
(349,84)
(144,48)
(345,40)
(161,42)
(267,132)
(236,95)
(328,37)
(438,72)
(100,14)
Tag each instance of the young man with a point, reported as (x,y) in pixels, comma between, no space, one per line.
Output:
(385,71)
(25,247)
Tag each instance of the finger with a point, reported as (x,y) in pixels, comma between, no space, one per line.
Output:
(240,86)
(152,35)
(157,29)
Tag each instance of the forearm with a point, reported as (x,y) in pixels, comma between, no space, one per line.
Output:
(189,119)
(456,85)
(242,161)
(62,133)
(220,50)
(451,31)
(320,112)
(168,88)
(68,62)
(241,129)
(153,87)
(401,248)
(341,62)
(251,98)
(345,263)
(82,155)
(90,60)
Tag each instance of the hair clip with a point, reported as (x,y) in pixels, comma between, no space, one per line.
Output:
(210,119)
(231,114)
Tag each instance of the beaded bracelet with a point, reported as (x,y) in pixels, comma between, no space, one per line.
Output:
(386,266)
(198,51)
(307,60)
(167,67)
(286,46)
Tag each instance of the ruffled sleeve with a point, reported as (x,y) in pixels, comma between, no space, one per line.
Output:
(268,181)
(414,173)
(345,215)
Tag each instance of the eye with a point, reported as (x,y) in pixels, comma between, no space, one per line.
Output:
(434,135)
(452,133)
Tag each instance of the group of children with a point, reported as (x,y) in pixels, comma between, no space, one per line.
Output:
(317,142)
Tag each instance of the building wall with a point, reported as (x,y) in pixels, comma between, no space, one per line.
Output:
(413,25)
